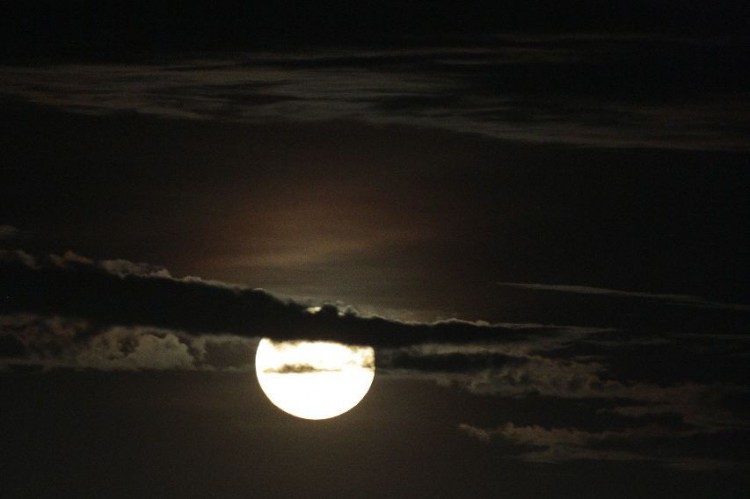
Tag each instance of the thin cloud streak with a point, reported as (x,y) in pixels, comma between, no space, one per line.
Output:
(537,444)
(673,299)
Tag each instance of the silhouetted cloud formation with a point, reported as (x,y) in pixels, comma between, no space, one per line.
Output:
(128,294)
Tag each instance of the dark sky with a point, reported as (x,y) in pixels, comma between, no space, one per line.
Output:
(536,213)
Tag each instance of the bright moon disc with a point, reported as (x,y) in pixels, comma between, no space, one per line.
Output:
(314,379)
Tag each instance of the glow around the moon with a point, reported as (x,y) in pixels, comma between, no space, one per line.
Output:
(314,380)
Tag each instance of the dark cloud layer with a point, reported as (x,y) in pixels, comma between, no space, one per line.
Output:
(120,293)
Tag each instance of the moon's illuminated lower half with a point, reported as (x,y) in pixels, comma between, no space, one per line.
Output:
(314,379)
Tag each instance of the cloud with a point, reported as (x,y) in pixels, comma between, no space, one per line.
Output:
(706,407)
(511,375)
(11,346)
(516,358)
(128,294)
(8,232)
(673,299)
(124,268)
(298,369)
(474,432)
(129,349)
(537,444)
(493,88)
(40,340)
(59,342)
(451,362)
(125,293)
(224,352)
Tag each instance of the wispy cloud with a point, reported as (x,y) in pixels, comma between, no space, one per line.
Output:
(555,445)
(673,299)
(697,404)
(8,232)
(506,88)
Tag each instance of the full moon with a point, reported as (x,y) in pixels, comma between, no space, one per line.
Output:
(314,379)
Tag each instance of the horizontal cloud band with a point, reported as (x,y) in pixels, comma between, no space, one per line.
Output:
(128,294)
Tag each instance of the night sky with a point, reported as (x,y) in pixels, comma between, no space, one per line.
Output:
(537,213)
